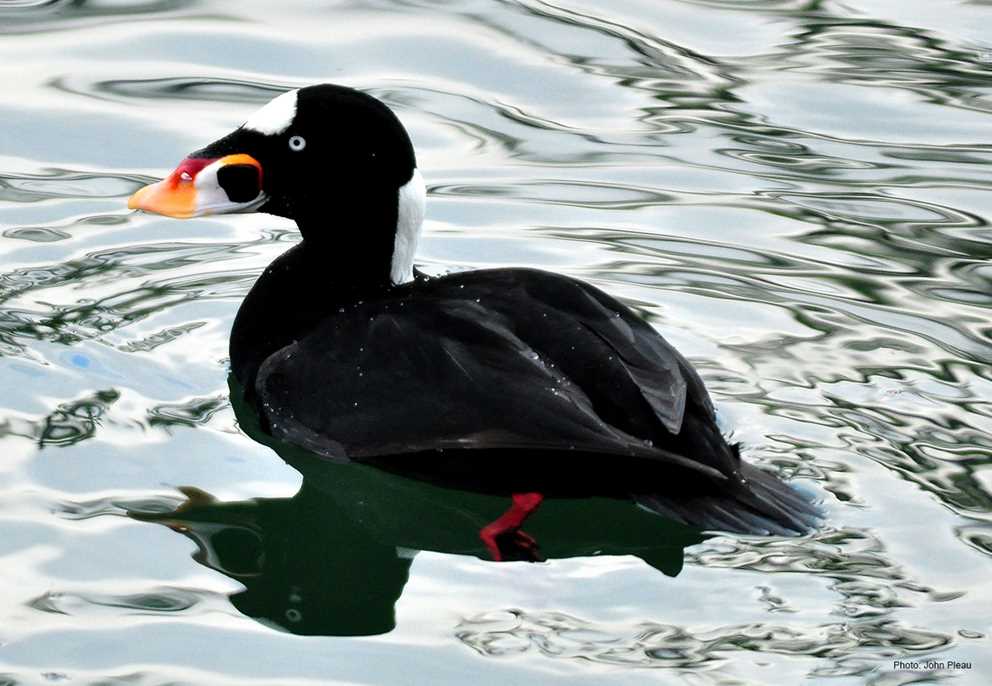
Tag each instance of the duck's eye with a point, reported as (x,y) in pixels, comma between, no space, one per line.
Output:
(297,143)
(185,176)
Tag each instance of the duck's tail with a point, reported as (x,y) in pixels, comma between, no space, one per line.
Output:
(762,504)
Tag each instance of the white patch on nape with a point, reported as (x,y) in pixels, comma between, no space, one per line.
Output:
(409,218)
(276,116)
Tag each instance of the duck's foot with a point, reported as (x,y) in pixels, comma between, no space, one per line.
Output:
(503,537)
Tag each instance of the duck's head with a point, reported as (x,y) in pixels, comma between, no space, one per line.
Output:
(335,160)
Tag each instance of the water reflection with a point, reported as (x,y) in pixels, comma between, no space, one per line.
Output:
(334,558)
(307,564)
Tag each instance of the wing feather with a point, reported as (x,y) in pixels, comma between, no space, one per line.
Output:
(429,373)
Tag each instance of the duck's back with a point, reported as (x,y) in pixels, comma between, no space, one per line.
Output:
(491,359)
(560,382)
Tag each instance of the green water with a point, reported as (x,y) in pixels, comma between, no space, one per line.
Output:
(796,193)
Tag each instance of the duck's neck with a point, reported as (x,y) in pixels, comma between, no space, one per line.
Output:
(364,252)
(375,231)
(300,288)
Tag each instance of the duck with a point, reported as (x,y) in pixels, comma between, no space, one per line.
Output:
(512,381)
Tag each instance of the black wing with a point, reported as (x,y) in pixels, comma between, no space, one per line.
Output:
(491,359)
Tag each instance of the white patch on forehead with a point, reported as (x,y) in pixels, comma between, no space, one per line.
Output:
(276,116)
(409,218)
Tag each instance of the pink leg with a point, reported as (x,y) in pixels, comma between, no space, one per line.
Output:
(509,523)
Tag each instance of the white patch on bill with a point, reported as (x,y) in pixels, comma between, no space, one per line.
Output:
(276,116)
(409,218)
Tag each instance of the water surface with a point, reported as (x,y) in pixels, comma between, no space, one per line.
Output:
(796,193)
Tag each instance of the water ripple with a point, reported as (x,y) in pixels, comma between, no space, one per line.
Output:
(841,647)
(795,192)
(174,88)
(161,601)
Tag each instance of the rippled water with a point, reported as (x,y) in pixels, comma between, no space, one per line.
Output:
(795,192)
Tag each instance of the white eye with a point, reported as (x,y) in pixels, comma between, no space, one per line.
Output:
(297,143)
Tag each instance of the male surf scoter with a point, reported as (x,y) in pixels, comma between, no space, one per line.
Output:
(513,381)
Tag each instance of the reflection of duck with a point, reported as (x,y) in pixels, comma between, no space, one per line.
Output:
(306,565)
(333,559)
(509,381)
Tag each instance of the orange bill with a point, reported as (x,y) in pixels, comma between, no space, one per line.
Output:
(201,186)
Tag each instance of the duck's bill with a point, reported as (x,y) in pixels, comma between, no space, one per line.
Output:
(201,186)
